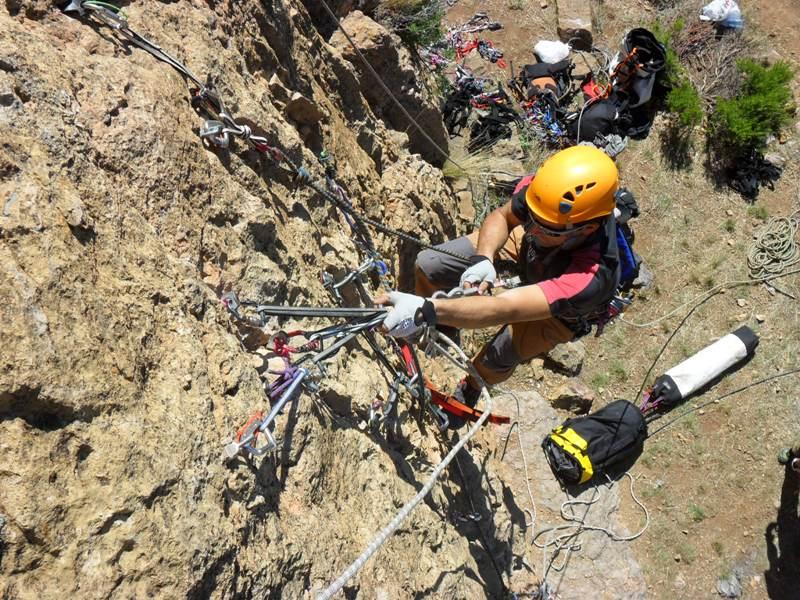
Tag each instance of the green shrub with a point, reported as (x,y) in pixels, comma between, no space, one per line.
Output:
(762,107)
(417,22)
(673,70)
(758,212)
(697,513)
(684,101)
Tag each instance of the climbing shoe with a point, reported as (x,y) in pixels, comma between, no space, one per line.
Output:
(784,456)
(466,394)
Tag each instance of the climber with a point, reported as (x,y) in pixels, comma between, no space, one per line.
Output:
(559,230)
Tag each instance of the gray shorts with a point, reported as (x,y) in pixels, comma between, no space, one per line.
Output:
(444,270)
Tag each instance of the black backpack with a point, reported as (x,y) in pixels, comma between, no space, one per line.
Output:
(590,445)
(601,118)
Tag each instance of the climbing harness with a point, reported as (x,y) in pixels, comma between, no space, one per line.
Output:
(485,49)
(495,117)
(457,106)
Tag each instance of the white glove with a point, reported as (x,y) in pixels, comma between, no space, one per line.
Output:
(400,322)
(481,270)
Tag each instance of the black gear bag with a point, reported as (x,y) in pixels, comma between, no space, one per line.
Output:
(594,444)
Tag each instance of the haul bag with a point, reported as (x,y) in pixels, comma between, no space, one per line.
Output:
(590,445)
(705,366)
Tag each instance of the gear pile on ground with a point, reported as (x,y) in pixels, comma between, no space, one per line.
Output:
(617,101)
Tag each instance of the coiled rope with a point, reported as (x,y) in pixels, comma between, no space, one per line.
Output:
(775,248)
(566,537)
(403,513)
(773,251)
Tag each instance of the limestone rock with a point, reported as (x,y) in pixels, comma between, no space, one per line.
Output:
(575,22)
(566,358)
(392,61)
(303,110)
(645,279)
(730,586)
(121,374)
(574,396)
(599,559)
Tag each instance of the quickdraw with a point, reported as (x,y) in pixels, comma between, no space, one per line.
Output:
(218,132)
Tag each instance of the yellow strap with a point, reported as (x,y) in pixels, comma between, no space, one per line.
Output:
(573,438)
(575,446)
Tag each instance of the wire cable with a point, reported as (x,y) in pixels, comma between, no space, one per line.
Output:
(723,396)
(710,292)
(385,87)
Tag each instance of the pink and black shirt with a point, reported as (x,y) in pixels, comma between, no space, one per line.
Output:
(578,283)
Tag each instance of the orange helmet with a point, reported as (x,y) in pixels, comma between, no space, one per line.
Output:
(573,186)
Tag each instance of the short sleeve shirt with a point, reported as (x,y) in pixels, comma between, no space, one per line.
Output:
(578,282)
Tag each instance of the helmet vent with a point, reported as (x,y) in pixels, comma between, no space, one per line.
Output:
(569,196)
(591,185)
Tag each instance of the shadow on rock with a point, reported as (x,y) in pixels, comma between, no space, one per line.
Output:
(473,517)
(433,590)
(783,576)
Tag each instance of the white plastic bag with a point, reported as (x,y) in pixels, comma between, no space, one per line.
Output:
(720,10)
(551,51)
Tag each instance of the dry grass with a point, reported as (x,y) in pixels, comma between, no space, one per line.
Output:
(694,237)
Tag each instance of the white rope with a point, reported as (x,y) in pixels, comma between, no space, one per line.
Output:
(530,511)
(387,531)
(575,526)
(710,292)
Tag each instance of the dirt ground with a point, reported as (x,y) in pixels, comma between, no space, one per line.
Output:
(710,481)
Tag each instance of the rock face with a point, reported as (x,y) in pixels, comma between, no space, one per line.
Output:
(574,396)
(566,358)
(393,62)
(602,568)
(121,374)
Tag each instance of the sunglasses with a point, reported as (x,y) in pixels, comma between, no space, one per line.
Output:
(537,228)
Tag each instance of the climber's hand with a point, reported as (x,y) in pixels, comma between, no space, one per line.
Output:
(406,317)
(481,274)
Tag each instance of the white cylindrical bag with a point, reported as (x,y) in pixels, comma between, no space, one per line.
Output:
(705,366)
